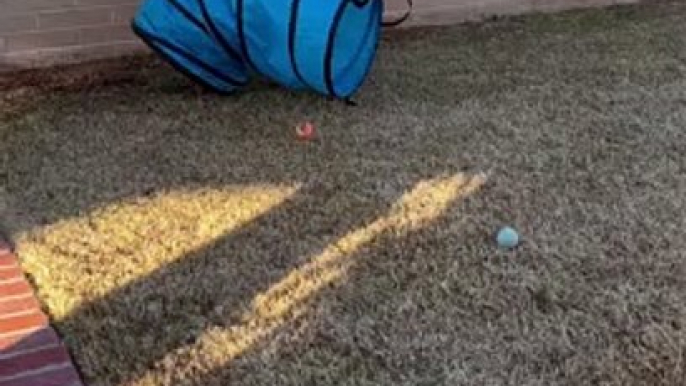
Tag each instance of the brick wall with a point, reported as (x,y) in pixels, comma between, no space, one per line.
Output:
(43,32)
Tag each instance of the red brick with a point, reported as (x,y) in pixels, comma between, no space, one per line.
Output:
(19,304)
(57,377)
(33,361)
(21,323)
(14,288)
(6,258)
(11,273)
(44,337)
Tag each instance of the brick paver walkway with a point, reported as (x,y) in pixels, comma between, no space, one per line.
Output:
(31,353)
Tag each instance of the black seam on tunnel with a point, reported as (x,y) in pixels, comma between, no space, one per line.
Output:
(292,29)
(401,19)
(241,35)
(188,15)
(374,52)
(217,34)
(152,41)
(328,56)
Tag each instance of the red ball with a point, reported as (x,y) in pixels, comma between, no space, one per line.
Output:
(305,132)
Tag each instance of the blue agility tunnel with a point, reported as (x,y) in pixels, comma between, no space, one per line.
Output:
(175,29)
(324,46)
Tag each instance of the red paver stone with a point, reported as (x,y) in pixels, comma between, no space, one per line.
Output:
(10,273)
(33,360)
(56,376)
(14,305)
(31,353)
(16,324)
(7,260)
(14,288)
(43,337)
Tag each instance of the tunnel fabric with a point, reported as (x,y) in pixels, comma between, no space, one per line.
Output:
(324,46)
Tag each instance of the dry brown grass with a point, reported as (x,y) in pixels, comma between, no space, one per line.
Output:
(181,238)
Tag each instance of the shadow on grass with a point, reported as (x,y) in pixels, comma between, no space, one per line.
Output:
(353,313)
(142,142)
(243,288)
(139,324)
(176,141)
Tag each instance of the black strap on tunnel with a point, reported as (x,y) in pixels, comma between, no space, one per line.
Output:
(328,59)
(155,42)
(292,24)
(401,19)
(216,33)
(202,26)
(240,8)
(328,56)
(187,14)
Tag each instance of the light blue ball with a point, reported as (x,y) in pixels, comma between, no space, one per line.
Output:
(508,238)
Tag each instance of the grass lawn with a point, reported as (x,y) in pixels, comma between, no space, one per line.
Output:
(178,238)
